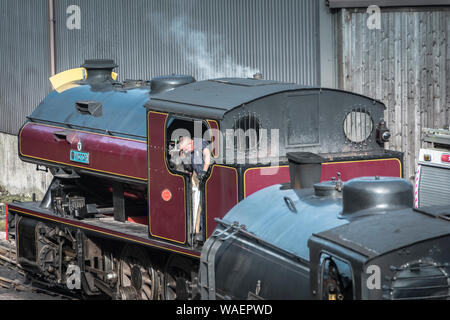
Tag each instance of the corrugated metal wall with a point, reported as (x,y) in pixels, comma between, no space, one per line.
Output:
(205,38)
(24,61)
(406,64)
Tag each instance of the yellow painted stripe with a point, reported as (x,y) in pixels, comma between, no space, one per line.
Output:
(66,77)
(65,80)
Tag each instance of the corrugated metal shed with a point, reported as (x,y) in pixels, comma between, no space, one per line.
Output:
(24,61)
(406,64)
(204,38)
(385,3)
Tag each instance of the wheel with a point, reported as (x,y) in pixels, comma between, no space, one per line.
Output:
(177,280)
(175,285)
(138,278)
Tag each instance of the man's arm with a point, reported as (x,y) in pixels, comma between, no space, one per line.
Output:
(207,158)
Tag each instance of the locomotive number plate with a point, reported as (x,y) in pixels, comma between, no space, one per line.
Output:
(81,157)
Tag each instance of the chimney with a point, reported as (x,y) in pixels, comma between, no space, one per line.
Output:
(305,169)
(99,70)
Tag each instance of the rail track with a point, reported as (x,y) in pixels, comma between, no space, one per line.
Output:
(18,282)
(8,252)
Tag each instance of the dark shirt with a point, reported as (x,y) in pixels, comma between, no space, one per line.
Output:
(197,160)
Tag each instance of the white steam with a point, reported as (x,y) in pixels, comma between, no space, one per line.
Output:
(205,53)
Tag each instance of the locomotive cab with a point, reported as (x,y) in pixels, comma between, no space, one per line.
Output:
(252,125)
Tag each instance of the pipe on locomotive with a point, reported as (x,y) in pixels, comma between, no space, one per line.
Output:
(51,21)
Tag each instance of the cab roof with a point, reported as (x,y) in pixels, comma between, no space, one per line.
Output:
(213,98)
(398,229)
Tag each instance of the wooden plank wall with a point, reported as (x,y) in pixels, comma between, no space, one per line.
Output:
(405,64)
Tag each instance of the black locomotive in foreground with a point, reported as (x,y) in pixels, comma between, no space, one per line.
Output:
(331,240)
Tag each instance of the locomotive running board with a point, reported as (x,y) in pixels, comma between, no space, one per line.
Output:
(125,231)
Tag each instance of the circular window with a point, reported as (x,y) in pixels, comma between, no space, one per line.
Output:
(358,125)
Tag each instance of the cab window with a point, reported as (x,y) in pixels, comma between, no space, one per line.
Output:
(336,278)
(175,129)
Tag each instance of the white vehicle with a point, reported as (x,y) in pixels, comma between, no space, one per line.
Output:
(432,185)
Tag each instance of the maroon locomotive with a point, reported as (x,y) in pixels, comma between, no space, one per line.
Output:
(121,213)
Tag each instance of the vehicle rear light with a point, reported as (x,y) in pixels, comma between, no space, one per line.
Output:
(445,158)
(427,157)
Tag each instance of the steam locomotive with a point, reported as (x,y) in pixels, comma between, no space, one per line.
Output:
(119,217)
(330,241)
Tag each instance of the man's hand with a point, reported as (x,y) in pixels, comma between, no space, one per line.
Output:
(201,175)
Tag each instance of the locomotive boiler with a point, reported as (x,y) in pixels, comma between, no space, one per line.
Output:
(121,209)
(330,241)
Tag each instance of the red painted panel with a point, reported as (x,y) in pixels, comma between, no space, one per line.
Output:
(113,155)
(139,220)
(221,195)
(362,168)
(254,181)
(167,219)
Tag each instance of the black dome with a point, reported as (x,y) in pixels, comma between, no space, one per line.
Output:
(372,195)
(165,83)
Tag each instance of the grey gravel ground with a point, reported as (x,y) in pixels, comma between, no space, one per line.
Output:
(19,280)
